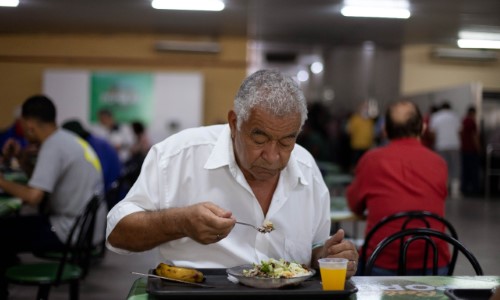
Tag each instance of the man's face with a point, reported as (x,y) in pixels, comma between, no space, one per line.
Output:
(106,120)
(29,128)
(264,143)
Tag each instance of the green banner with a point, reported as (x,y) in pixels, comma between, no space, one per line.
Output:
(129,96)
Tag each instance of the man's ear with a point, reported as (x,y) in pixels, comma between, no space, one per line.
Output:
(232,120)
(424,128)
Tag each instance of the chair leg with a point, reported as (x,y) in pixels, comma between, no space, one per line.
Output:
(74,290)
(43,292)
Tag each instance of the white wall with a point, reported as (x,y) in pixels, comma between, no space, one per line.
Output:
(176,97)
(460,98)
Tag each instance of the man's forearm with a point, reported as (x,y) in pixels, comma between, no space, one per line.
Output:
(142,231)
(28,194)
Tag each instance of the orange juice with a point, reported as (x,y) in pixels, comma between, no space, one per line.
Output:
(333,279)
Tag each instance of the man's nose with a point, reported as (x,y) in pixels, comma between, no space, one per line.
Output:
(271,152)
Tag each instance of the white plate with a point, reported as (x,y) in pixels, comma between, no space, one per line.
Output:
(265,283)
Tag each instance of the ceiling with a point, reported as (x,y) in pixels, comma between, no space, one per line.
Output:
(297,21)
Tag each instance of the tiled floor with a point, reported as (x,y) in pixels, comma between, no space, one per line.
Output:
(476,220)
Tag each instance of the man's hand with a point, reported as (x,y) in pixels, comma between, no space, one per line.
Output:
(207,223)
(336,246)
(11,148)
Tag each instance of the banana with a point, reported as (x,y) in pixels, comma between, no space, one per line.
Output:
(179,273)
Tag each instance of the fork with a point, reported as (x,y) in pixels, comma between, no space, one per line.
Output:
(259,229)
(246,224)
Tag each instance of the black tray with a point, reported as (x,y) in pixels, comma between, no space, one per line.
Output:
(469,294)
(225,289)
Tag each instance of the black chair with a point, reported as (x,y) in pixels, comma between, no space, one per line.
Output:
(411,218)
(73,263)
(411,235)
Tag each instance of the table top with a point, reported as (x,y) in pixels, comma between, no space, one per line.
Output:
(9,205)
(382,287)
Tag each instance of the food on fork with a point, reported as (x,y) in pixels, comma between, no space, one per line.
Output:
(179,273)
(267,227)
(273,268)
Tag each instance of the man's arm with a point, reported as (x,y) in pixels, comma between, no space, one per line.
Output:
(336,246)
(355,197)
(29,195)
(204,222)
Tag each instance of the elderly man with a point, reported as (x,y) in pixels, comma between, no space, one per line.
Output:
(402,176)
(195,185)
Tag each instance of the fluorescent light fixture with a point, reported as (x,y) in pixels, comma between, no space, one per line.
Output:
(398,9)
(375,12)
(210,5)
(480,40)
(9,3)
(479,44)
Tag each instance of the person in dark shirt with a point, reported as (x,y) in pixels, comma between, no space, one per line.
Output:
(470,148)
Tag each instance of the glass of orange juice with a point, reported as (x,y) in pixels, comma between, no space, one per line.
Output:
(333,273)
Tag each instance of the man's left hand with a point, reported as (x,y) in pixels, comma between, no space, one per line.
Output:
(337,246)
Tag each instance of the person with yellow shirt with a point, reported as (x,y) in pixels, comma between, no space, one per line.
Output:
(361,130)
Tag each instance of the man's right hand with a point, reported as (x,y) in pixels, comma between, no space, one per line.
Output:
(11,148)
(207,223)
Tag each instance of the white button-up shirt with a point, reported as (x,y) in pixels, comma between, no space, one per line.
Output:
(198,165)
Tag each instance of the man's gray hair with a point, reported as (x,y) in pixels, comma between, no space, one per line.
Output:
(271,90)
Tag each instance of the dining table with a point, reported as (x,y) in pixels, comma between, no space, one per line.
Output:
(340,212)
(360,287)
(9,205)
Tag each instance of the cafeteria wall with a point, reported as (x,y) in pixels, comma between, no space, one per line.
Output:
(421,73)
(24,58)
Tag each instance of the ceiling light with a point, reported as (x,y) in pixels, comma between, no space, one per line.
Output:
(210,5)
(316,67)
(375,12)
(480,40)
(302,75)
(398,9)
(9,3)
(479,44)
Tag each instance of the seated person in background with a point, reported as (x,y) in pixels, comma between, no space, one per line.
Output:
(11,142)
(402,176)
(138,152)
(194,185)
(67,174)
(108,157)
(118,135)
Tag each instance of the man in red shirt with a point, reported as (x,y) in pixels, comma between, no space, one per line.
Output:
(402,176)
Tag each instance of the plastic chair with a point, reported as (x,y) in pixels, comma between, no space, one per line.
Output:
(411,218)
(73,264)
(411,235)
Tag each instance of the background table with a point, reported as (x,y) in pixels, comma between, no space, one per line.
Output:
(9,205)
(392,287)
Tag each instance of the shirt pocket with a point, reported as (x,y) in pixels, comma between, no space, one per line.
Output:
(298,251)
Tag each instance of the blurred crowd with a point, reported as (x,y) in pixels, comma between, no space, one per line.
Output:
(343,138)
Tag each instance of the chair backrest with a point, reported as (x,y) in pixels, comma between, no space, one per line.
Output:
(411,218)
(78,245)
(411,235)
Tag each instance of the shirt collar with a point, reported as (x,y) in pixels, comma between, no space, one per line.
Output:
(223,155)
(406,141)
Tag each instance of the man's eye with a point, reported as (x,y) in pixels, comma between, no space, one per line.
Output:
(287,142)
(260,140)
